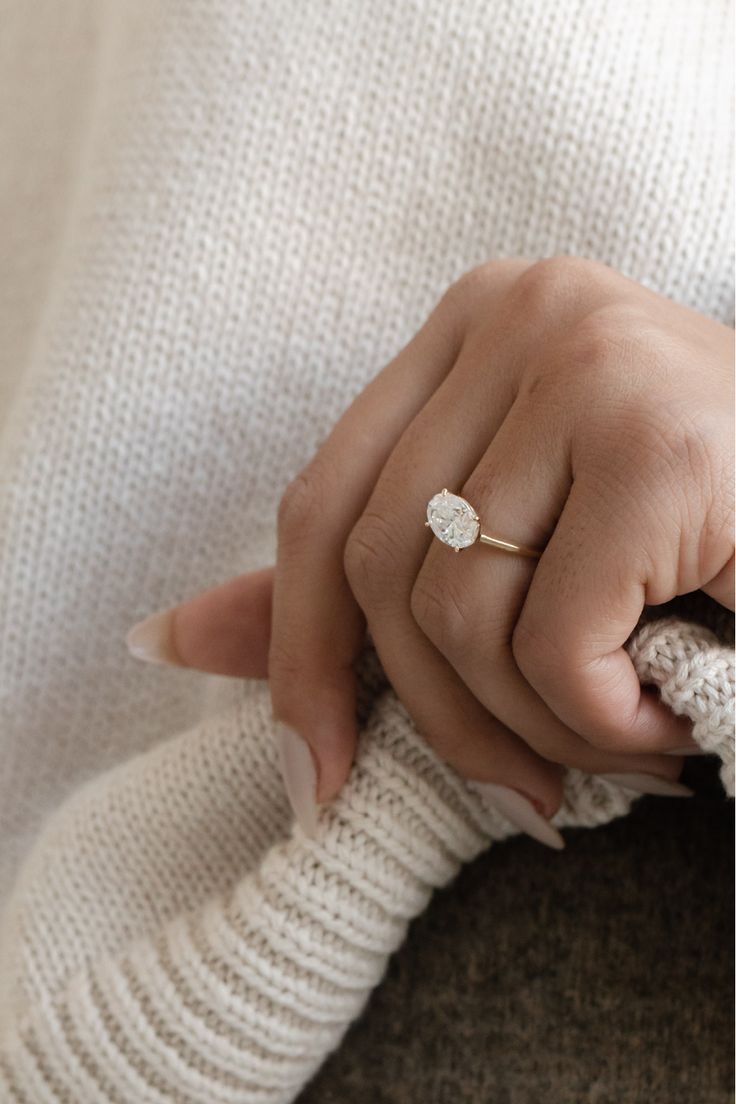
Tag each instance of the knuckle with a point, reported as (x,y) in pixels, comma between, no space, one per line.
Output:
(666,453)
(665,444)
(543,287)
(533,648)
(686,442)
(613,337)
(441,614)
(471,291)
(589,361)
(370,560)
(597,340)
(477,280)
(301,505)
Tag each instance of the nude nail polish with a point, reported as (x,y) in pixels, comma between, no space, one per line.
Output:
(152,640)
(299,774)
(648,784)
(520,812)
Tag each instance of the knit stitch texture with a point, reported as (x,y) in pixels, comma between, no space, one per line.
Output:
(221,957)
(266,203)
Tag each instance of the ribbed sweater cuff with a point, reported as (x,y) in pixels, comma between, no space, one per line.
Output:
(242,999)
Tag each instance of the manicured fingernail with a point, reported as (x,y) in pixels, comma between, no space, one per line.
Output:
(520,812)
(152,640)
(691,749)
(299,774)
(649,784)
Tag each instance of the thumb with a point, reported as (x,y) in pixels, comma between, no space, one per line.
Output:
(223,631)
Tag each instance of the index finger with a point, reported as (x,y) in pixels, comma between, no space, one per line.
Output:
(317,626)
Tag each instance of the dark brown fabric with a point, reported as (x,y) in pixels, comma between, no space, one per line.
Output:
(601,974)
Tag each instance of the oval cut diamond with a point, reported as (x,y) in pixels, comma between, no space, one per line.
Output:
(453,520)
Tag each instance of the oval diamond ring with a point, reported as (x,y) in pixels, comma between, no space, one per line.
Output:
(454,521)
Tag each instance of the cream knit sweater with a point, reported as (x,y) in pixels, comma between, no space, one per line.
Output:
(225,218)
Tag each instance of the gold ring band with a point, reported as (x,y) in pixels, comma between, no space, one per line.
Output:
(508,546)
(454,522)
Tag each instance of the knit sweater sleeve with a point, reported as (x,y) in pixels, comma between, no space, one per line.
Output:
(241,998)
(239,993)
(694,673)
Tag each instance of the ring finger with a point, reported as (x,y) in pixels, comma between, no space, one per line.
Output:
(467,604)
(452,719)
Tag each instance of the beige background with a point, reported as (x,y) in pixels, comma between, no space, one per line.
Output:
(51,60)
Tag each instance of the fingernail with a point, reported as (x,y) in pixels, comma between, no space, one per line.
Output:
(152,641)
(691,749)
(649,784)
(299,774)
(520,812)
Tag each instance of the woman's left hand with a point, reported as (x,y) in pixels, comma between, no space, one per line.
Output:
(579,413)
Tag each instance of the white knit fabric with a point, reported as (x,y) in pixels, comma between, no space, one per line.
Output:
(172,941)
(269,199)
(695,676)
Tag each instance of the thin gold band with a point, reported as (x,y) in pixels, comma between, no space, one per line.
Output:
(454,522)
(507,546)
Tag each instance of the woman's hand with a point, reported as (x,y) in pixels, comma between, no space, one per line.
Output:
(578,412)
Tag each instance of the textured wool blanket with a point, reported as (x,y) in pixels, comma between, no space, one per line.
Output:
(221,220)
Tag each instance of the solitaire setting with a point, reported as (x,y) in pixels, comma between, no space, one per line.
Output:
(454,521)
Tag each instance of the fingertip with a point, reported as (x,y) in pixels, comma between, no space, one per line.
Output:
(152,640)
(517,766)
(544,789)
(521,811)
(334,749)
(321,707)
(298,771)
